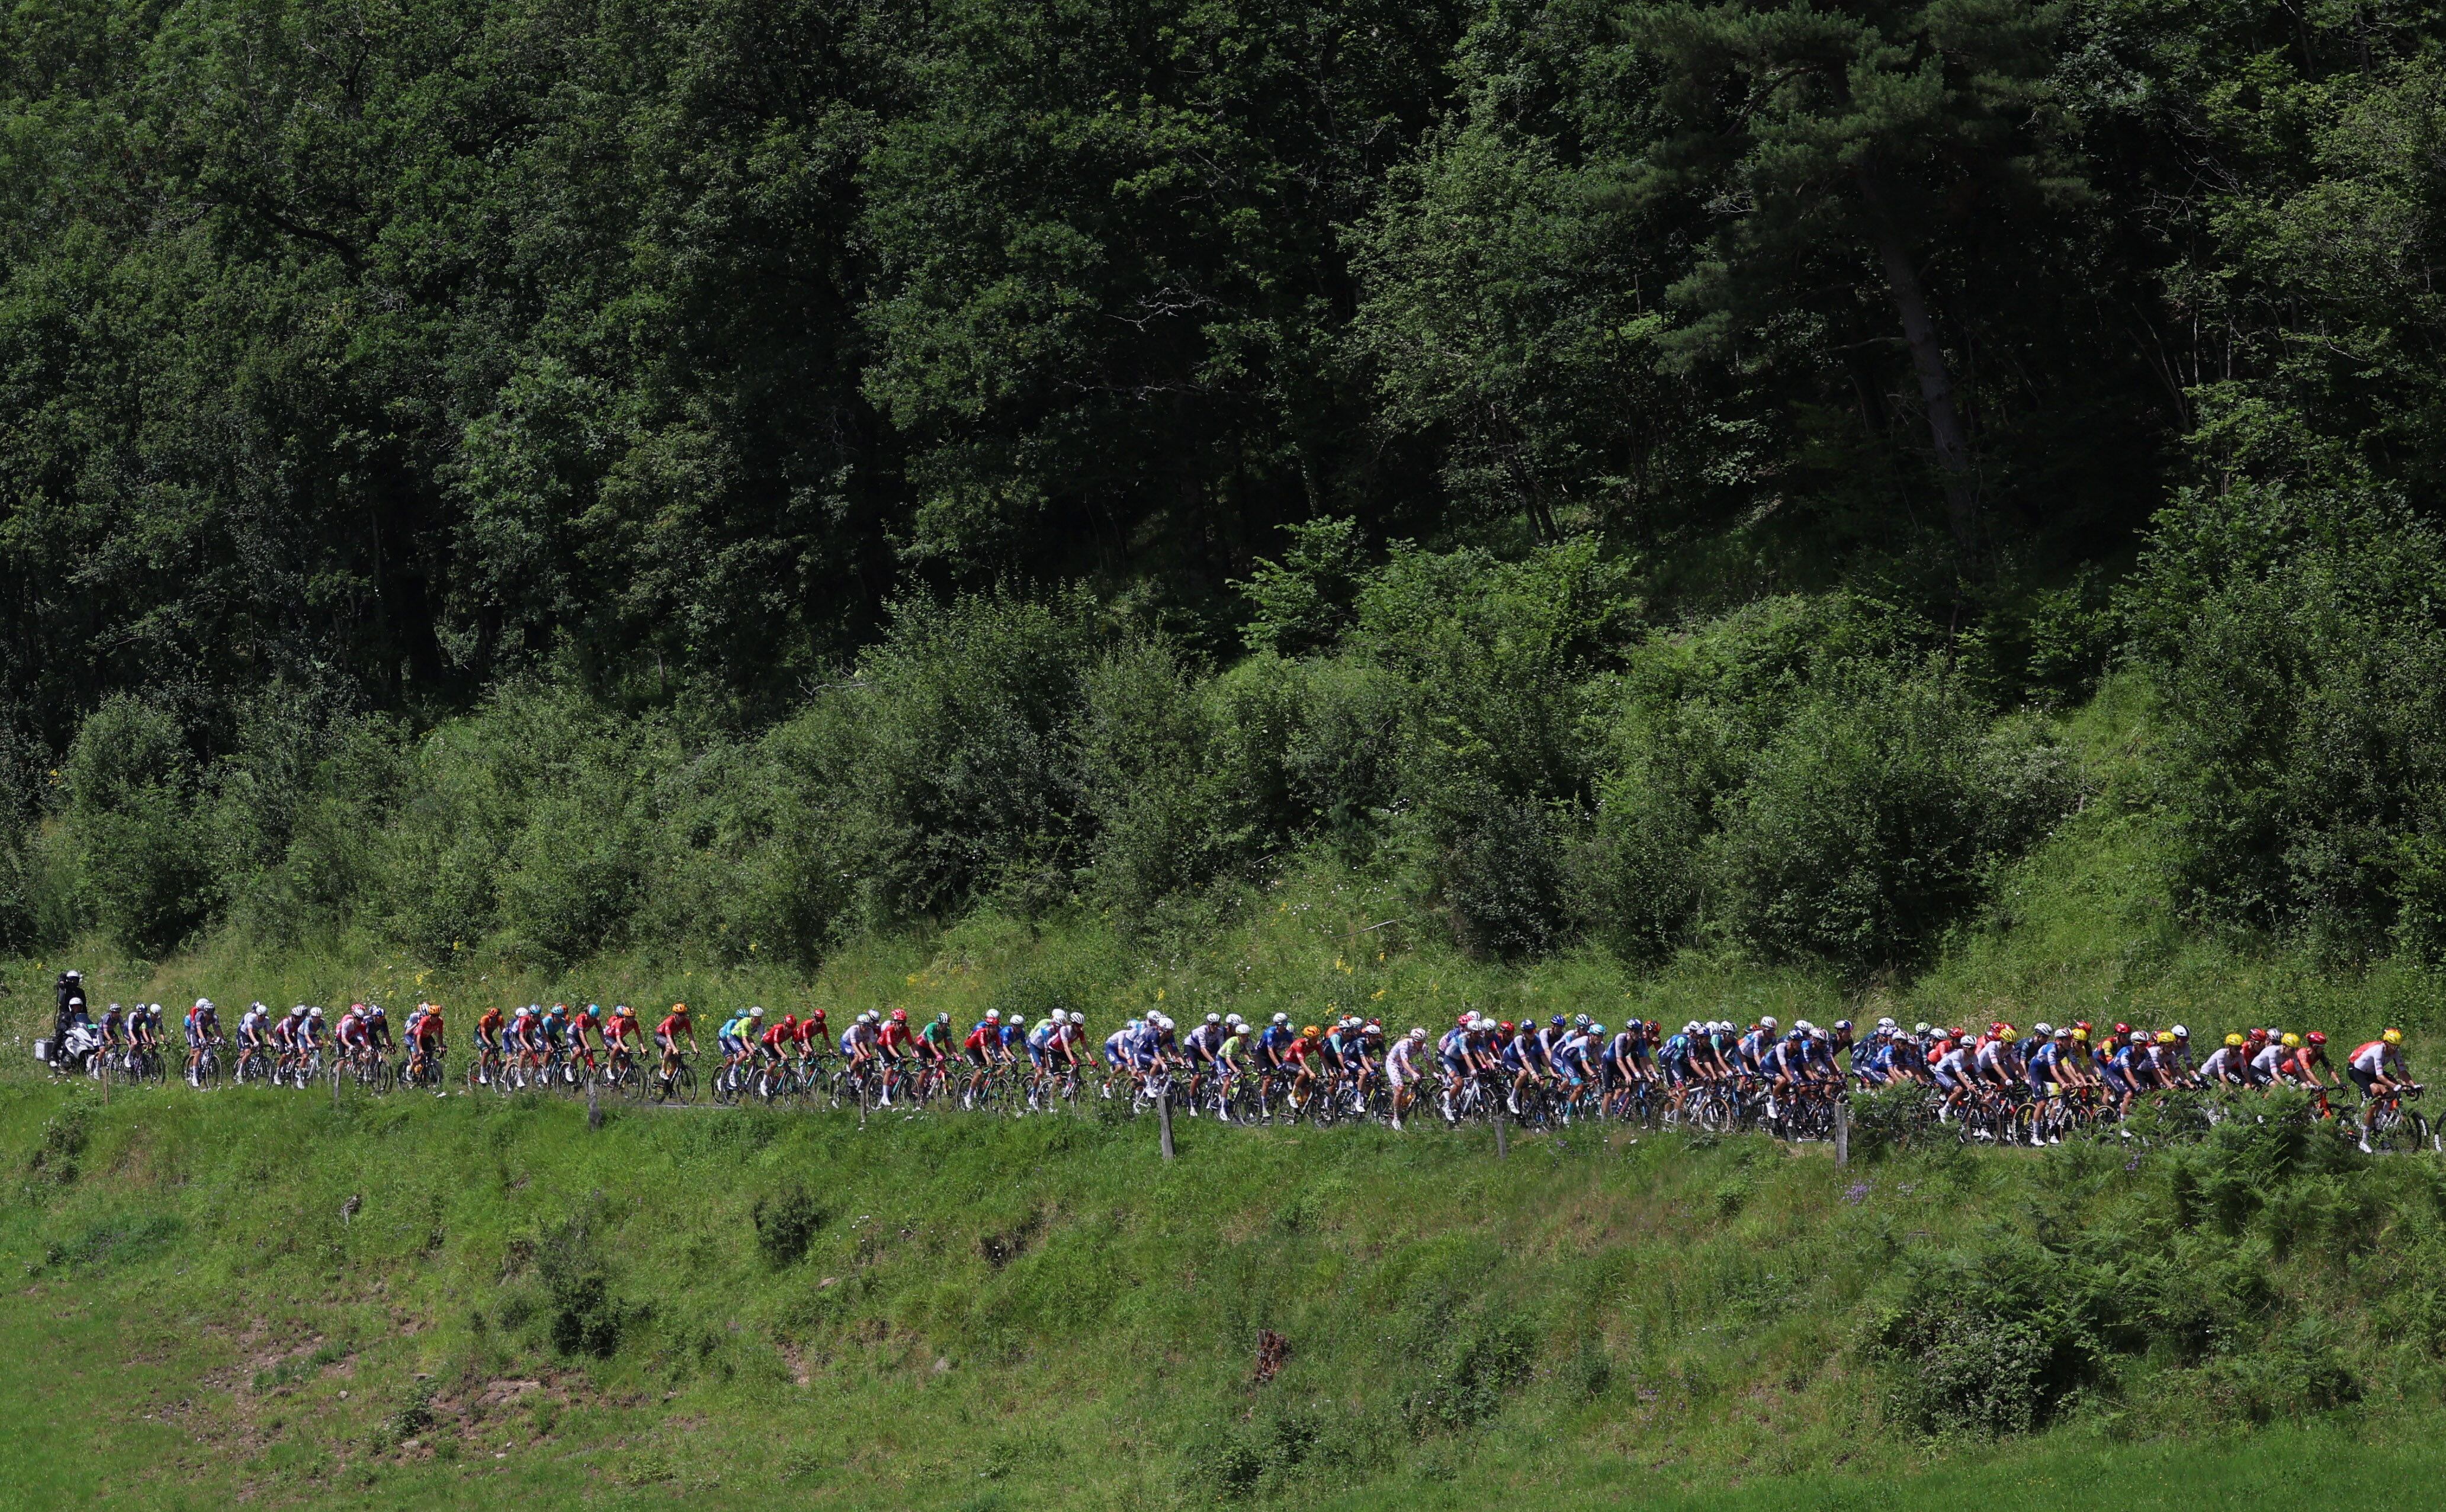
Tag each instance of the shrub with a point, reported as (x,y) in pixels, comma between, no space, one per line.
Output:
(1875,820)
(143,864)
(786,1223)
(2296,643)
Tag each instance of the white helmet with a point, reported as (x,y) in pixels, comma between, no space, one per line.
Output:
(203,1003)
(313,1013)
(755,1012)
(1804,1025)
(299,1012)
(2180,1032)
(1215,1018)
(2043,1030)
(1281,1019)
(1077,1017)
(1767,1021)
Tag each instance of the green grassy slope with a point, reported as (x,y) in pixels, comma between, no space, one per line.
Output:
(1041,1313)
(1018,1313)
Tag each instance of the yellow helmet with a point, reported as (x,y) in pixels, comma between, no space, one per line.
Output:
(2392,1036)
(2081,1034)
(2233,1042)
(1310,1032)
(2165,1036)
(2292,1042)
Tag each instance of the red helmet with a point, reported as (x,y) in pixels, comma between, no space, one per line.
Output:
(1461,1022)
(814,1014)
(900,1016)
(1505,1026)
(2258,1036)
(2123,1029)
(2081,1025)
(2315,1037)
(2000,1029)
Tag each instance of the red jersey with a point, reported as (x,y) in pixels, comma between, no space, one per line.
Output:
(675,1023)
(811,1030)
(894,1035)
(780,1035)
(490,1025)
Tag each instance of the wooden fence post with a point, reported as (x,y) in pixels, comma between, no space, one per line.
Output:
(1163,1120)
(1842,1131)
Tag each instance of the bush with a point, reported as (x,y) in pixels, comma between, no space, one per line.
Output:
(786,1225)
(143,865)
(1876,819)
(2296,642)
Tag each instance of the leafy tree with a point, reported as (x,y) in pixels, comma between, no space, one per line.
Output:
(1835,128)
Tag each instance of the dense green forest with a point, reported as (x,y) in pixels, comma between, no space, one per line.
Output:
(534,477)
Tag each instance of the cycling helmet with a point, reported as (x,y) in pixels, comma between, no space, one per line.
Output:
(1597,1031)
(624,1010)
(2166,1037)
(2291,1042)
(2042,1029)
(1560,1021)
(1417,1034)
(313,1013)
(899,1015)
(1281,1019)
(1769,1024)
(1920,1028)
(993,1015)
(1580,1020)
(2064,1033)
(1802,1024)
(815,1015)
(1504,1028)
(1888,1024)
(2233,1042)
(2392,1036)
(203,1003)
(2181,1034)
(942,1017)
(1311,1033)
(1215,1018)
(1842,1026)
(1077,1017)
(374,1010)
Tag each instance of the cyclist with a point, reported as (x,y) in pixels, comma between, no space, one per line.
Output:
(934,1041)
(1303,1056)
(2377,1067)
(815,1039)
(378,1030)
(2268,1053)
(617,1033)
(348,1035)
(1400,1072)
(428,1039)
(982,1045)
(733,1036)
(253,1030)
(490,1044)
(894,1041)
(668,1034)
(2225,1065)
(310,1037)
(284,1038)
(773,1047)
(2306,1061)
